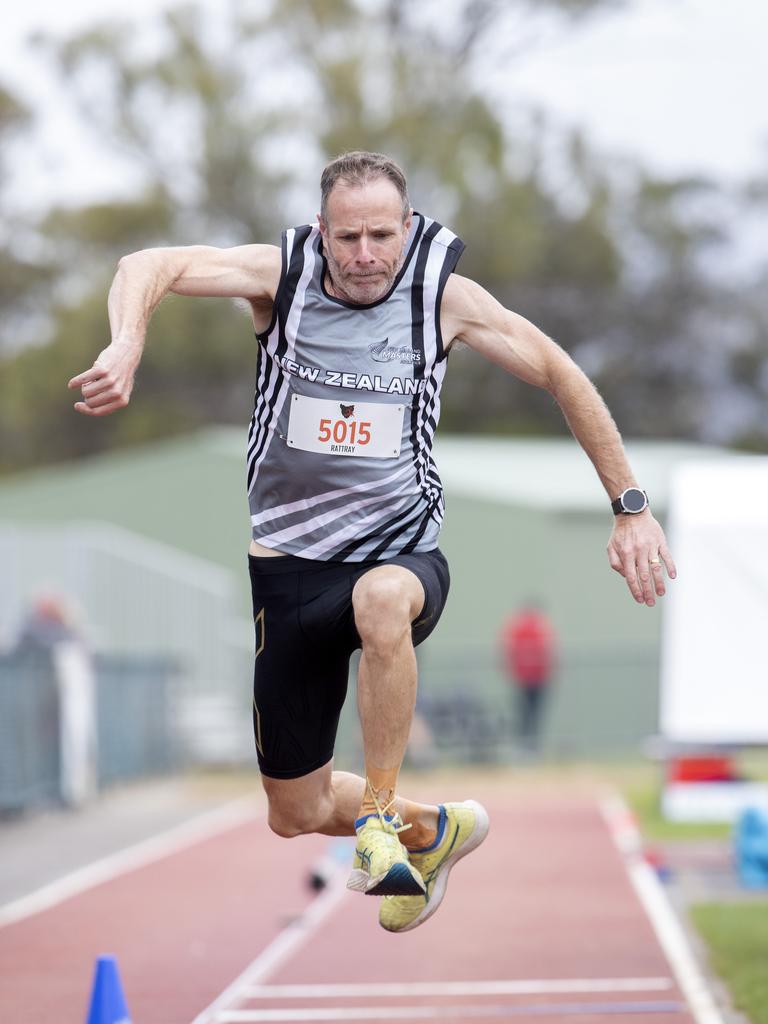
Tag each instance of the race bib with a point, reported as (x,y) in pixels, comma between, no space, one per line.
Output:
(366,429)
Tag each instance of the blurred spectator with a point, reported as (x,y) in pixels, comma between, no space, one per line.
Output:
(49,622)
(528,645)
(50,628)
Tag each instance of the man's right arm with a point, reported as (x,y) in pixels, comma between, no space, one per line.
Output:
(143,279)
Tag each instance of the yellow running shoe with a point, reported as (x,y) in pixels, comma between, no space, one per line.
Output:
(461,829)
(381,866)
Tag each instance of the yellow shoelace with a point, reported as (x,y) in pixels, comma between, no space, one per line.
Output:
(381,811)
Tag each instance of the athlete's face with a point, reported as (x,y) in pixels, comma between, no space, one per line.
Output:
(364,238)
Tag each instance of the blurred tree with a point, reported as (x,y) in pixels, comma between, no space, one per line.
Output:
(21,279)
(228,120)
(747,351)
(192,375)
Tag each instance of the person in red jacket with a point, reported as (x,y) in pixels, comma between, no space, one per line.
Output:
(528,645)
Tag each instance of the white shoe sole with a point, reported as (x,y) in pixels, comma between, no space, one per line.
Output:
(476,836)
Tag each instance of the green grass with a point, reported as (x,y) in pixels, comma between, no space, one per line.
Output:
(737,935)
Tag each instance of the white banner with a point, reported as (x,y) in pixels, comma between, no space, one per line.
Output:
(714,681)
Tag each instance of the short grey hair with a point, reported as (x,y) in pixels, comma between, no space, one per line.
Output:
(358,168)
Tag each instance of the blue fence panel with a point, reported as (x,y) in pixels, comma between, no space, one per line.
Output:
(135,724)
(29,732)
(135,721)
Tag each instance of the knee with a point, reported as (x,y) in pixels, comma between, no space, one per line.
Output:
(284,825)
(383,612)
(289,822)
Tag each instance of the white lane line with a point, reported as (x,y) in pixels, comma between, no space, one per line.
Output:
(181,837)
(281,948)
(378,990)
(444,1012)
(668,929)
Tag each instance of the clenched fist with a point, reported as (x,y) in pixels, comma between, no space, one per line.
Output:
(108,384)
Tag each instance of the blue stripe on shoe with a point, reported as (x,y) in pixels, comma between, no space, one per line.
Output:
(441,823)
(359,822)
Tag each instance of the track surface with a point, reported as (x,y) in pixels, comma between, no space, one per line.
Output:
(541,921)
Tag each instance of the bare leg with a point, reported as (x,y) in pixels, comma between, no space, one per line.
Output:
(328,802)
(386,600)
(323,801)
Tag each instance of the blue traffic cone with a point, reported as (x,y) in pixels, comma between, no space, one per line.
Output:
(107,999)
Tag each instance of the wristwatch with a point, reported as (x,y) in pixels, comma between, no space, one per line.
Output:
(630,502)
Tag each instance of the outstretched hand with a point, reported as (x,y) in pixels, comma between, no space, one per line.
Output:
(638,551)
(108,384)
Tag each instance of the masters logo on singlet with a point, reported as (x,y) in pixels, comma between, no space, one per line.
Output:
(382,353)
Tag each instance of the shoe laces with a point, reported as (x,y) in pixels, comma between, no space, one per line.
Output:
(397,821)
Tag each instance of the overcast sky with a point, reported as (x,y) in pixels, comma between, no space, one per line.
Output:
(680,83)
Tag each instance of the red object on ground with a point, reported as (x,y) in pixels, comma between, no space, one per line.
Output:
(708,768)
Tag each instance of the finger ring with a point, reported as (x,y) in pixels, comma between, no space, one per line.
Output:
(655,561)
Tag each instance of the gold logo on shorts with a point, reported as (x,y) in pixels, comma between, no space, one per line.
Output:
(258,728)
(260,633)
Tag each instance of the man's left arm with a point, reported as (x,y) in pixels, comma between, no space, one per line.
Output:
(637,547)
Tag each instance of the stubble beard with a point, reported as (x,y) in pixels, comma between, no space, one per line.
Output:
(350,287)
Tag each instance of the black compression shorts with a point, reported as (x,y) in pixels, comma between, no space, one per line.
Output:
(305,636)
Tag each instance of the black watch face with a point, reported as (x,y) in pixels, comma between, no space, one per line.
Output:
(633,500)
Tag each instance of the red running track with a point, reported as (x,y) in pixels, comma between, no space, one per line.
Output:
(542,908)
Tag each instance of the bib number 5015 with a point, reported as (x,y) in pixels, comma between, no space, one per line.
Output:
(345,431)
(371,430)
